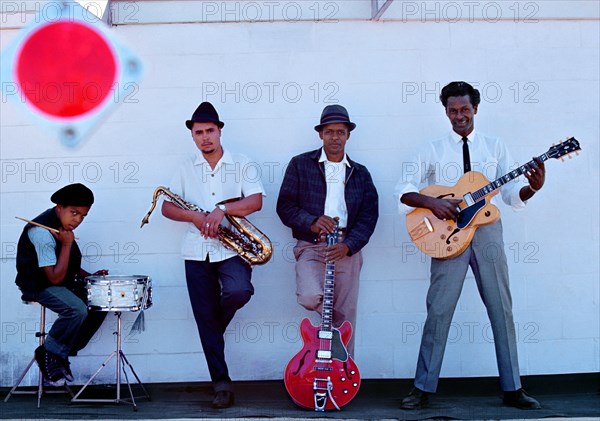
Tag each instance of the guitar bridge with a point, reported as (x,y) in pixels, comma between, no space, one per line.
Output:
(421,230)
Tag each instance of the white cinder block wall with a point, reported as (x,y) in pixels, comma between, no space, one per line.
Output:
(536,64)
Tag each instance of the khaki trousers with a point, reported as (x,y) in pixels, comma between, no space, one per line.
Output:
(310,279)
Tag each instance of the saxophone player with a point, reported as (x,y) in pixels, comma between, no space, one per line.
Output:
(218,280)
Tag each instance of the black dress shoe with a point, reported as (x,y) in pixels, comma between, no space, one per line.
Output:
(223,399)
(520,399)
(416,399)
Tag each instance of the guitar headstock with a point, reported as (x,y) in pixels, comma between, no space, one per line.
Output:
(332,237)
(564,148)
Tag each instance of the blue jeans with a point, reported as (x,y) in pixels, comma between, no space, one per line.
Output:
(217,290)
(74,327)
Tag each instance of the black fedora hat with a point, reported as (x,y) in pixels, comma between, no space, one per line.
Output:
(335,114)
(205,113)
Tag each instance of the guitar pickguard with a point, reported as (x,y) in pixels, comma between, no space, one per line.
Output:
(338,350)
(466,216)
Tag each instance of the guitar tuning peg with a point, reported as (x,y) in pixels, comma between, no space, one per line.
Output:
(577,153)
(562,159)
(570,157)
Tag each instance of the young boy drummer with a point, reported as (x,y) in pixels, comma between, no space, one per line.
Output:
(48,265)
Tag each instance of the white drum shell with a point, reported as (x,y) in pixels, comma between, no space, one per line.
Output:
(119,293)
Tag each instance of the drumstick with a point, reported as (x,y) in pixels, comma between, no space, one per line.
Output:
(41,226)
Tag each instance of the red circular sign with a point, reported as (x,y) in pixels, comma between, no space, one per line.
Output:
(66,69)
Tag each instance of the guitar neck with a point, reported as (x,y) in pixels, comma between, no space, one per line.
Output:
(506,178)
(327,314)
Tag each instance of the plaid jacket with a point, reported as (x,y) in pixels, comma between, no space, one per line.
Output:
(301,199)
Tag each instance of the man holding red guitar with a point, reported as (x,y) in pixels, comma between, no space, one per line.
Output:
(318,186)
(443,162)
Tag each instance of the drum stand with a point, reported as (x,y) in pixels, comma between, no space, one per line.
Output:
(120,357)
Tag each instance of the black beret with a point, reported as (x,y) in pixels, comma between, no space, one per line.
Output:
(73,195)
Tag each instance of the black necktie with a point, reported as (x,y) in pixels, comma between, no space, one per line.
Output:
(466,156)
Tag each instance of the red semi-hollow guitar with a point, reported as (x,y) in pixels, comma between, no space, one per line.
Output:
(322,376)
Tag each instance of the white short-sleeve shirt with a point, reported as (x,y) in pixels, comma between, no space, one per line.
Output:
(234,176)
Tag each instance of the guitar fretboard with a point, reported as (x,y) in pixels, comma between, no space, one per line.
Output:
(327,316)
(327,313)
(556,151)
(506,178)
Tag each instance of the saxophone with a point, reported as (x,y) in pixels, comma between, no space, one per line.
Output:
(246,240)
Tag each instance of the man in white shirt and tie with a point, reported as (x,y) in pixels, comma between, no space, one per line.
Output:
(443,162)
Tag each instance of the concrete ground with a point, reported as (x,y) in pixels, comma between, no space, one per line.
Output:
(561,396)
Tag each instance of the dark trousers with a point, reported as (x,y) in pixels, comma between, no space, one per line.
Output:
(217,290)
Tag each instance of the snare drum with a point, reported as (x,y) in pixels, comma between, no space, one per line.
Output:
(118,293)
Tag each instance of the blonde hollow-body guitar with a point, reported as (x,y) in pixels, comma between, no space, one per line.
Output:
(445,239)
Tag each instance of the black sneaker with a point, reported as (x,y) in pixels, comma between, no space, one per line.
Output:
(40,359)
(66,366)
(54,369)
(48,383)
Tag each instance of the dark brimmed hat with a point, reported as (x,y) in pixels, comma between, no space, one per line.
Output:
(205,113)
(335,114)
(73,195)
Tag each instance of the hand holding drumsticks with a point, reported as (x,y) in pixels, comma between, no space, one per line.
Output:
(54,230)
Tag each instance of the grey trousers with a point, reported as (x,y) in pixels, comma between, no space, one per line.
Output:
(310,280)
(485,255)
